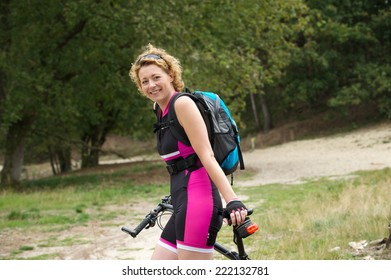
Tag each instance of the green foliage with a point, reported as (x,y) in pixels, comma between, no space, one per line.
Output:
(66,67)
(343,61)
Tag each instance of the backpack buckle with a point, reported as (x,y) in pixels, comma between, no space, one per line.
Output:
(172,169)
(182,164)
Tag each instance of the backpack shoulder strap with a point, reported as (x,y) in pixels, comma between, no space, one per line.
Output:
(159,124)
(177,130)
(175,127)
(156,110)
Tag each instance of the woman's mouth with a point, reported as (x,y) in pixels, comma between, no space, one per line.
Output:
(154,92)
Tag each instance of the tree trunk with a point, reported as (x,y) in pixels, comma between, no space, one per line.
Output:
(267,119)
(53,160)
(60,158)
(255,111)
(2,94)
(14,153)
(90,151)
(94,140)
(64,158)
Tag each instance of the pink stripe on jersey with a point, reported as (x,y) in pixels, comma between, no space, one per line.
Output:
(168,105)
(184,150)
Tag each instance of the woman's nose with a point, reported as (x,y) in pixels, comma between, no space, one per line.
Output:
(151,83)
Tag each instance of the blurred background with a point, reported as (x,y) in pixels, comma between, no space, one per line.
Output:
(312,66)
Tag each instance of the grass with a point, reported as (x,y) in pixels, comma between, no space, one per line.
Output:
(66,199)
(303,221)
(307,221)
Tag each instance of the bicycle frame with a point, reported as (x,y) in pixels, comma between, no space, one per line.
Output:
(165,205)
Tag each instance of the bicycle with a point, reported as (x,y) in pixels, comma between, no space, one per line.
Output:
(239,232)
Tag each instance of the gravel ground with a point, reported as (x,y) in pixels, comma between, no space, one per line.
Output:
(337,155)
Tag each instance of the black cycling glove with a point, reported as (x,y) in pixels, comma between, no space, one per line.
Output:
(234,205)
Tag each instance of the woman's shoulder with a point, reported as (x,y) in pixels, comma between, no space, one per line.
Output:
(183,102)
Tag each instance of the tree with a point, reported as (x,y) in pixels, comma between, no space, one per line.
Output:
(17,61)
(242,50)
(342,61)
(64,76)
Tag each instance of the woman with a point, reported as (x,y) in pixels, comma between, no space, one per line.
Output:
(195,192)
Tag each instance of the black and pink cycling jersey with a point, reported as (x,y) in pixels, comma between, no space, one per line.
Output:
(197,216)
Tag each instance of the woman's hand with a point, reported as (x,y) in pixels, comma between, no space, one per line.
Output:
(236,211)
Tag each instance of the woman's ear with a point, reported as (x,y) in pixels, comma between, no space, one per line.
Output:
(171,76)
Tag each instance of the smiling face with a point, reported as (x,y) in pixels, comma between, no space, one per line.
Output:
(156,84)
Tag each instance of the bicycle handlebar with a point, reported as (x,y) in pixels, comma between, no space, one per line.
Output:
(138,229)
(150,218)
(245,229)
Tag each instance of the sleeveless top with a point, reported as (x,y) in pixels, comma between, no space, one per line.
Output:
(170,149)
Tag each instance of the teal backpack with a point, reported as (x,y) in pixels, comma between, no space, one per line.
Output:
(222,129)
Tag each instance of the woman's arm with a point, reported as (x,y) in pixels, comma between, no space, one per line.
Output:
(191,120)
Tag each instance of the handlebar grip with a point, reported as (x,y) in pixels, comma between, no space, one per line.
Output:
(226,214)
(128,231)
(138,229)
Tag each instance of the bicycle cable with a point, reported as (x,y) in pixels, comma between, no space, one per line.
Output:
(159,219)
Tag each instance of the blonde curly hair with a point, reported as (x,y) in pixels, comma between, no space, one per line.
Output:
(161,58)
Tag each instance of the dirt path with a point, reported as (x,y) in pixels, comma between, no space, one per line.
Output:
(338,155)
